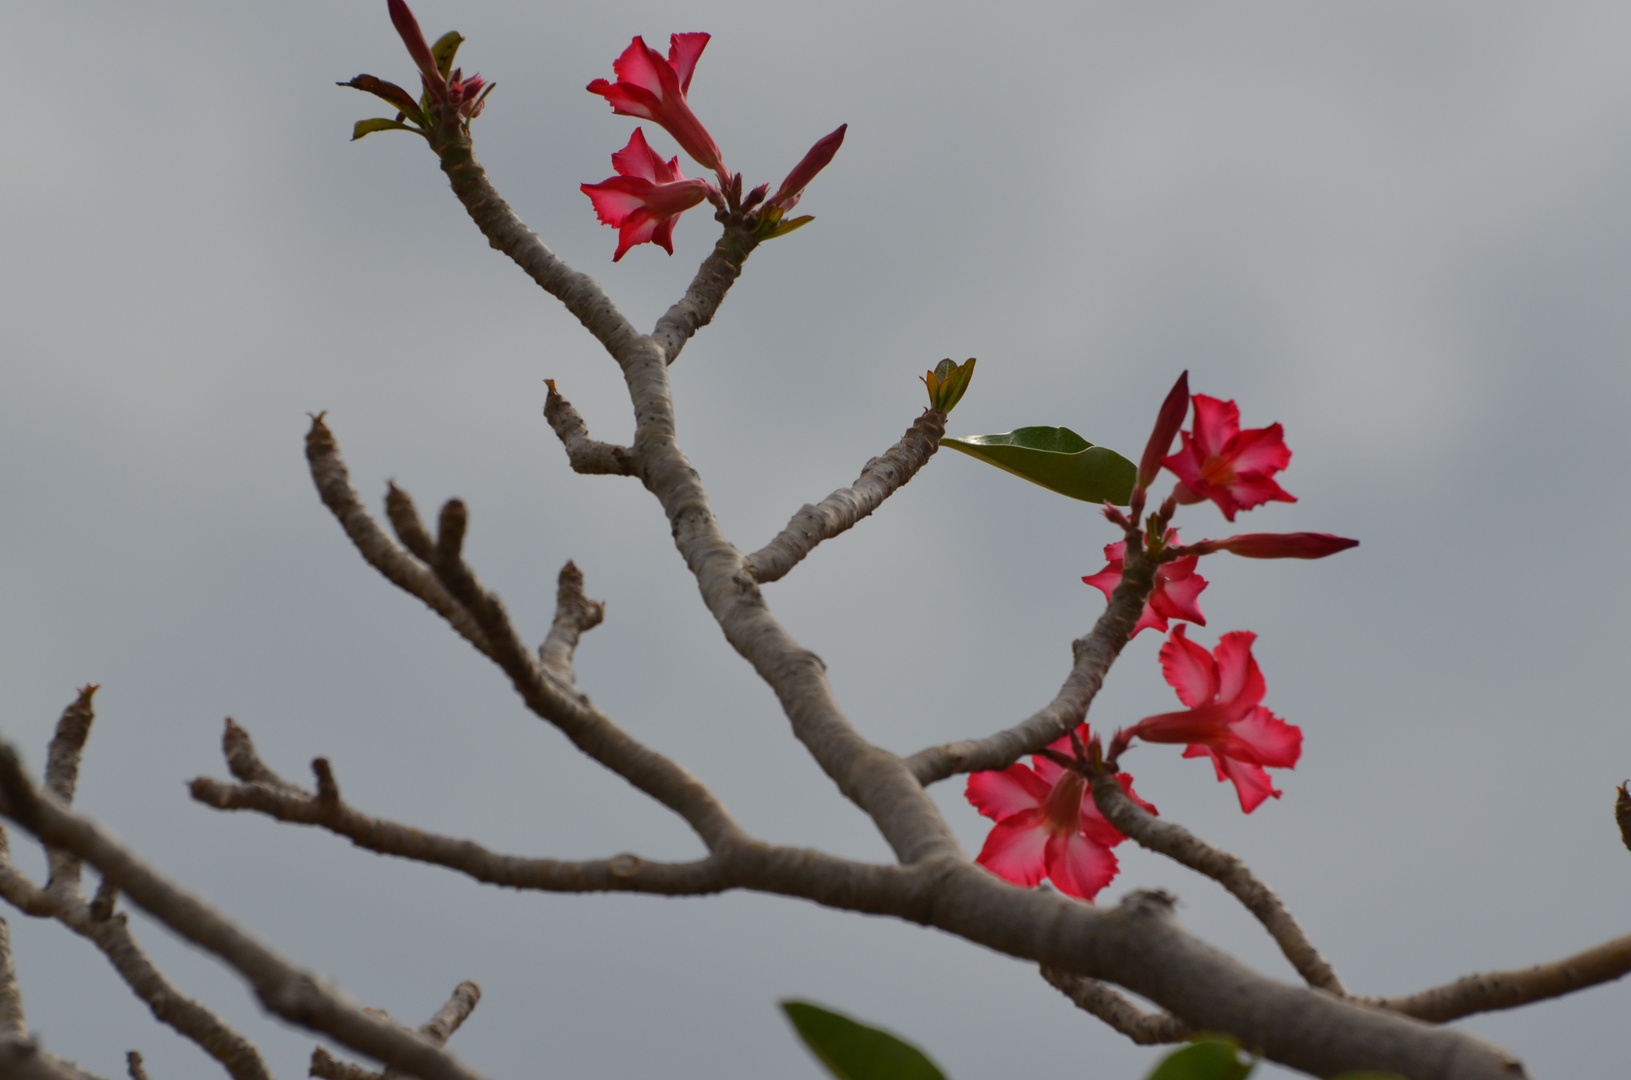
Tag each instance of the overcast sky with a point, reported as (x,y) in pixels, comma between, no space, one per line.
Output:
(1400,230)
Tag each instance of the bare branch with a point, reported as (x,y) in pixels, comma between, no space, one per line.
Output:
(242,761)
(62,776)
(451,1016)
(588,456)
(1509,989)
(1177,843)
(133,1062)
(622,873)
(715,276)
(22,1059)
(1093,656)
(840,511)
(13,1025)
(1090,995)
(298,996)
(329,1067)
(506,232)
(575,615)
(401,568)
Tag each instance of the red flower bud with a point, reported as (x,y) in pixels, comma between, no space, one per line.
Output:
(1167,423)
(1302,545)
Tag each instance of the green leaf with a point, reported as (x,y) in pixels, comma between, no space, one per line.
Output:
(391,92)
(788,226)
(854,1051)
(446,47)
(1204,1059)
(368,127)
(1058,459)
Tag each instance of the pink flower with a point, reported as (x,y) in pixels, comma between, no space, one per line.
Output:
(1231,467)
(819,157)
(1177,587)
(646,197)
(1300,545)
(1223,720)
(1047,825)
(654,89)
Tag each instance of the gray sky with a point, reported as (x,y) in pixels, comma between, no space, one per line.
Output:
(1398,229)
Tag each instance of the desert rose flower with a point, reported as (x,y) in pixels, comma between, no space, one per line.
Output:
(1047,825)
(1233,468)
(654,89)
(646,197)
(1177,587)
(1224,720)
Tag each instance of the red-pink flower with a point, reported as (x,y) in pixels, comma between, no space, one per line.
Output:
(1224,719)
(819,157)
(654,89)
(1233,468)
(1047,825)
(1176,592)
(646,197)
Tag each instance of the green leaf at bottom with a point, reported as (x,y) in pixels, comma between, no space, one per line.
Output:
(1204,1059)
(854,1051)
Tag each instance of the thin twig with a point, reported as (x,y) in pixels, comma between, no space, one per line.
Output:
(586,455)
(575,615)
(13,1025)
(714,278)
(133,1062)
(844,508)
(22,1059)
(329,1067)
(328,471)
(62,776)
(298,996)
(1509,989)
(1093,656)
(1115,1009)
(1178,843)
(621,873)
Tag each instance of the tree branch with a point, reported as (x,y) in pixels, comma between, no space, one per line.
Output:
(13,1025)
(715,276)
(586,455)
(844,508)
(507,233)
(333,482)
(1090,995)
(438,1029)
(575,615)
(1508,989)
(22,1059)
(622,873)
(62,776)
(1093,656)
(298,996)
(1179,844)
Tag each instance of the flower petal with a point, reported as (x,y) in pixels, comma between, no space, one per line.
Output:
(1270,740)
(639,159)
(1001,795)
(683,50)
(1260,450)
(1189,669)
(1015,850)
(1078,866)
(1216,422)
(1240,682)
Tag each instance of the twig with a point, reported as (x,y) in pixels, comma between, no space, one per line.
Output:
(242,761)
(1090,995)
(622,873)
(1093,656)
(13,1025)
(1509,989)
(1177,843)
(575,615)
(437,1029)
(329,1067)
(62,776)
(22,1059)
(506,232)
(586,455)
(844,508)
(328,471)
(133,1062)
(715,276)
(298,996)
(109,932)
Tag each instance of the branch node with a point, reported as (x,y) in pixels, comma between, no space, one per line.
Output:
(404,519)
(328,789)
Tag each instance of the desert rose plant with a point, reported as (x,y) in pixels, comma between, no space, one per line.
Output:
(1060,794)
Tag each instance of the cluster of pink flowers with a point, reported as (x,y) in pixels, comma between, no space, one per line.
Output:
(647,196)
(1047,824)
